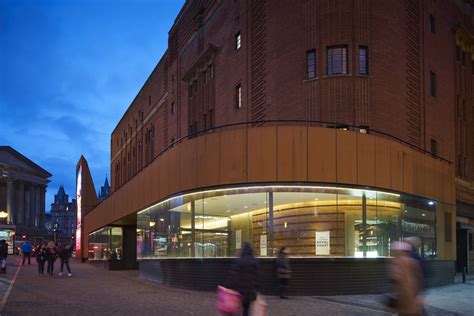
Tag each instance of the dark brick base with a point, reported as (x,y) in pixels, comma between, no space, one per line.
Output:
(310,276)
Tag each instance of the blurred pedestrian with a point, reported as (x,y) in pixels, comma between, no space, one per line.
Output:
(405,276)
(3,255)
(283,271)
(26,249)
(245,280)
(51,254)
(41,257)
(64,253)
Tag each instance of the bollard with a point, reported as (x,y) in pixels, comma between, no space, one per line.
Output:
(464,270)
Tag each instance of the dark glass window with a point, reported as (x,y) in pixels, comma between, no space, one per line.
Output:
(363,60)
(337,60)
(432,84)
(238,96)
(447,226)
(172,107)
(238,41)
(311,64)
(432,24)
(434,147)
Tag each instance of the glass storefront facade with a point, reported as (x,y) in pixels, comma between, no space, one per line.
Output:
(311,221)
(106,243)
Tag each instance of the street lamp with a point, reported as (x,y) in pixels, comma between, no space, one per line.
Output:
(3,216)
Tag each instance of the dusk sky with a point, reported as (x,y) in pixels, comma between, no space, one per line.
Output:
(68,71)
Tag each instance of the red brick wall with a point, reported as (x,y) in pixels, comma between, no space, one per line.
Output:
(271,68)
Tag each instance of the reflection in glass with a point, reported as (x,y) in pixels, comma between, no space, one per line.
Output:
(105,244)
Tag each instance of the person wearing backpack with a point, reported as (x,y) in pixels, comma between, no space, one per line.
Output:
(64,253)
(26,249)
(51,254)
(41,258)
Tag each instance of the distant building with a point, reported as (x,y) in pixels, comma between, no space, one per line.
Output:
(63,216)
(22,196)
(104,190)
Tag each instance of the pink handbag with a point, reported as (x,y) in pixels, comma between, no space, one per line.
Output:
(228,301)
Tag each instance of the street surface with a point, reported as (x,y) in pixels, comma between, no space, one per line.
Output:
(95,291)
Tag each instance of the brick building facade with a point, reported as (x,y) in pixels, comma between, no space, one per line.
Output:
(402,68)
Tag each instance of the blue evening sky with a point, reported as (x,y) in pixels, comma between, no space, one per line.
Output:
(68,71)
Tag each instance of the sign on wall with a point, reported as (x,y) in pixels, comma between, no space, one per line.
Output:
(79,211)
(238,239)
(323,243)
(263,245)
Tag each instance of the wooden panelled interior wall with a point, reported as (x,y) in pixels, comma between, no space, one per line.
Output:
(283,153)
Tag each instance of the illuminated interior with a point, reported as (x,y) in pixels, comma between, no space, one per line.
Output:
(311,221)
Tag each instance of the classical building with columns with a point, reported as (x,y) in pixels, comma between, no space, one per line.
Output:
(22,195)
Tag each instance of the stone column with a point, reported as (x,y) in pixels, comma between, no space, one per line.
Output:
(27,206)
(10,195)
(38,206)
(42,206)
(20,213)
(31,222)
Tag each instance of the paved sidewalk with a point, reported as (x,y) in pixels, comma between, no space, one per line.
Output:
(95,291)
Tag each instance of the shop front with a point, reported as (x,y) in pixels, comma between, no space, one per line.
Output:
(342,232)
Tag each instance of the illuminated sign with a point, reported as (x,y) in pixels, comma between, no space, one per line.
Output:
(79,210)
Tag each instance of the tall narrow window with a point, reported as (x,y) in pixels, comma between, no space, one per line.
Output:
(311,64)
(238,41)
(149,100)
(238,96)
(432,84)
(432,24)
(447,226)
(337,60)
(363,60)
(172,107)
(434,147)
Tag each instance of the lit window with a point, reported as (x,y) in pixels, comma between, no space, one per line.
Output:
(238,41)
(432,24)
(337,60)
(363,60)
(238,96)
(432,84)
(311,63)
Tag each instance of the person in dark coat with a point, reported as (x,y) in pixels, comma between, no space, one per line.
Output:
(246,277)
(41,257)
(64,253)
(3,255)
(283,270)
(51,254)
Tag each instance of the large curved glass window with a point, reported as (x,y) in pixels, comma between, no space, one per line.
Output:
(311,221)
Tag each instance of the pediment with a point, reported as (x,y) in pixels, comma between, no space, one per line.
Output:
(10,156)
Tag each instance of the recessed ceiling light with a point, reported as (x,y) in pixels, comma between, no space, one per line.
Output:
(423,214)
(246,206)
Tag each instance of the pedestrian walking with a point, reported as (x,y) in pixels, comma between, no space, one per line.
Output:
(41,257)
(245,278)
(283,271)
(51,254)
(64,253)
(26,249)
(405,276)
(3,255)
